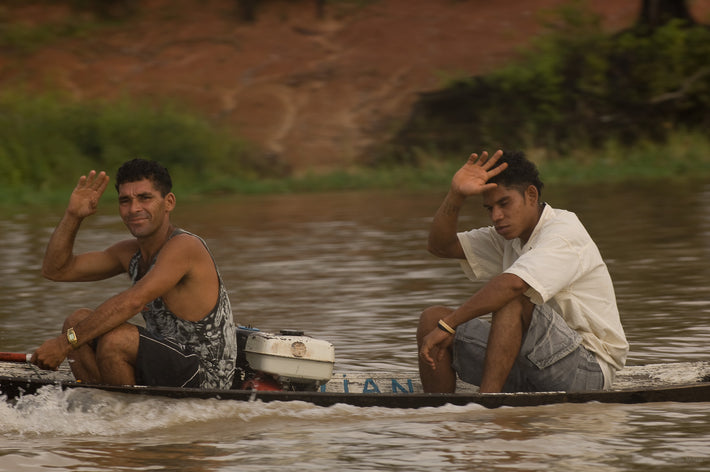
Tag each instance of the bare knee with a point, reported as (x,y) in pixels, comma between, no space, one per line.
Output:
(442,378)
(518,311)
(429,319)
(121,343)
(73,319)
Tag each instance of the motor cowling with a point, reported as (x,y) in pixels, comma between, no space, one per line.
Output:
(289,359)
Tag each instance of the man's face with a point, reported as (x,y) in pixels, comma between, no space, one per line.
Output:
(142,207)
(514,214)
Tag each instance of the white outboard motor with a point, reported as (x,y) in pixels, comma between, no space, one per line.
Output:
(285,361)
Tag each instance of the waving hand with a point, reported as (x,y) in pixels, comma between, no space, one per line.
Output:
(472,178)
(84,199)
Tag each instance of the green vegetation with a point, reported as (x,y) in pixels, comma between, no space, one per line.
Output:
(24,38)
(47,141)
(576,89)
(21,37)
(684,155)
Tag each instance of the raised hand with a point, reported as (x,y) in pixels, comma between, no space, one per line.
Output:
(472,178)
(84,199)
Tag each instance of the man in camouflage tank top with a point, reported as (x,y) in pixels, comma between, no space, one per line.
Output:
(190,337)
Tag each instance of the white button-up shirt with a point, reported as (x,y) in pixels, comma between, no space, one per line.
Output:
(563,267)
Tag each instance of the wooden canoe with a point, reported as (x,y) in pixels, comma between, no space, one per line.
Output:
(672,382)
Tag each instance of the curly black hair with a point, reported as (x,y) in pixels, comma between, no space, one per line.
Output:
(139,169)
(520,173)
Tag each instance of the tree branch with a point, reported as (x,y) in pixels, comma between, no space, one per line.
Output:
(683,90)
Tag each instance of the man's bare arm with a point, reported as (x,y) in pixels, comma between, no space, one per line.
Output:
(60,263)
(498,292)
(491,297)
(471,179)
(174,263)
(443,240)
(179,263)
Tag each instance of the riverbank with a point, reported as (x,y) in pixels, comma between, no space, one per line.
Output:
(50,138)
(685,156)
(312,94)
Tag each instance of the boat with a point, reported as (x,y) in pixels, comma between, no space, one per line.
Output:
(671,382)
(289,366)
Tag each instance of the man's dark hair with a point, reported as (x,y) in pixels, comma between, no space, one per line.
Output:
(139,169)
(519,174)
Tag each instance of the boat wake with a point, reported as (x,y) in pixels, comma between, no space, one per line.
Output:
(92,412)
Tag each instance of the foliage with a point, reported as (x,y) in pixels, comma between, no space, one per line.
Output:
(576,87)
(21,37)
(683,155)
(47,141)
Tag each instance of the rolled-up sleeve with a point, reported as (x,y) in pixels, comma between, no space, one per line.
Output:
(483,248)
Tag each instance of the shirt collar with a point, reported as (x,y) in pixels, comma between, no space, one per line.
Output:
(547,213)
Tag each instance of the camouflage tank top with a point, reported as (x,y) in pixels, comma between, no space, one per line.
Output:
(213,338)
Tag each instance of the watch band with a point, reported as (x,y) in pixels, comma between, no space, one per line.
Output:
(71,337)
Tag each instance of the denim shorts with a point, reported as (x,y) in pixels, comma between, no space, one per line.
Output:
(551,357)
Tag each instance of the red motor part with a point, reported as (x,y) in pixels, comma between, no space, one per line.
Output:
(261,382)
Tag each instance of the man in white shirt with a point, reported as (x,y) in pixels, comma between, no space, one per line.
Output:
(554,326)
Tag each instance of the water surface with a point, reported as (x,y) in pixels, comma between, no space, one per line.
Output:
(352,268)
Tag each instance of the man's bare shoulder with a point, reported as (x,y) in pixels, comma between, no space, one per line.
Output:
(187,247)
(186,240)
(185,260)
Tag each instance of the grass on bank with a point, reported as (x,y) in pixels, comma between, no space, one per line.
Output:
(686,155)
(673,161)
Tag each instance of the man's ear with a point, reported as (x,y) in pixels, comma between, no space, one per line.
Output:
(170,200)
(532,194)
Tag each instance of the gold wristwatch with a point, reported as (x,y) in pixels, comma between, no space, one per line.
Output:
(71,337)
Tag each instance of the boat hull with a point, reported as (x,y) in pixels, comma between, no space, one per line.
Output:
(680,382)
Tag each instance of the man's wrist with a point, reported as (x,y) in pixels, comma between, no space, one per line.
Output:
(444,326)
(73,216)
(455,197)
(452,204)
(72,338)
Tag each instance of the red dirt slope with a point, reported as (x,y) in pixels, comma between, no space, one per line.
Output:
(314,93)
